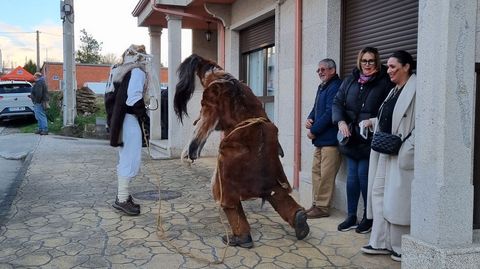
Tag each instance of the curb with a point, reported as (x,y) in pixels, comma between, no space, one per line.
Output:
(6,204)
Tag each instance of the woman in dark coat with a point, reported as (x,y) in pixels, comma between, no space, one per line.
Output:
(359,98)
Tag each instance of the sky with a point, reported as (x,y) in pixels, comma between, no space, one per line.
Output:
(108,21)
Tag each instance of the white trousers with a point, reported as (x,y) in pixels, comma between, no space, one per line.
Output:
(130,155)
(384,235)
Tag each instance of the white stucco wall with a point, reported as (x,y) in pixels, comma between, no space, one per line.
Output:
(315,47)
(284,100)
(248,10)
(477,35)
(202,47)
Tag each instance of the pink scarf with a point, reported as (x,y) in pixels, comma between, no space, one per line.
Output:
(363,79)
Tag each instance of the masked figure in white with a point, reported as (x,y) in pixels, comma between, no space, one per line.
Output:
(126,98)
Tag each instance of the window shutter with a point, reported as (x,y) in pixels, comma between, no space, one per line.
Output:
(388,25)
(258,36)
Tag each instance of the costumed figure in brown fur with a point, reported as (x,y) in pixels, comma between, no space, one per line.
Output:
(248,160)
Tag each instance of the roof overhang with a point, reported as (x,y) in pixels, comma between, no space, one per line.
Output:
(148,16)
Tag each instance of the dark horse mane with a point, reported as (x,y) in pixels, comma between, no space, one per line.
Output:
(191,66)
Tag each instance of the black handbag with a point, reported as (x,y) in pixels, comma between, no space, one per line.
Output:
(387,143)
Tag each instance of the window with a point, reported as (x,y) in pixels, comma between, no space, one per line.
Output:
(21,87)
(257,61)
(259,74)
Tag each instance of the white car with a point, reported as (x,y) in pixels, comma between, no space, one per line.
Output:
(15,99)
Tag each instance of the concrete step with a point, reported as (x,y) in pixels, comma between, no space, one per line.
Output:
(97,130)
(159,149)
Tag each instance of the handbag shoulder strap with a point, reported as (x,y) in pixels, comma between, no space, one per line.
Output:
(389,95)
(409,134)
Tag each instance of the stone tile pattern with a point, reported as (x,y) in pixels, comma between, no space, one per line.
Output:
(62,218)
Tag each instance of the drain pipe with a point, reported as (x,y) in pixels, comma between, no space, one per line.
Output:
(297,154)
(220,26)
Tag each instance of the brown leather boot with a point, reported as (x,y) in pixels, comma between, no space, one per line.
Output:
(318,212)
(310,209)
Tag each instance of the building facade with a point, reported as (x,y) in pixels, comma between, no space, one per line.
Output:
(275,46)
(53,73)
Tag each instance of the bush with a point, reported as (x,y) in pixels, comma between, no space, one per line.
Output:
(55,110)
(54,115)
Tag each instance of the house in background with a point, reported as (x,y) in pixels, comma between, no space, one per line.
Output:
(53,73)
(18,74)
(275,45)
(85,73)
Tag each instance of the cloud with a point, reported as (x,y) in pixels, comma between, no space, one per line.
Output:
(110,23)
(19,45)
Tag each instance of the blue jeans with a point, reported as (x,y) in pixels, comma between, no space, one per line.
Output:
(41,117)
(357,181)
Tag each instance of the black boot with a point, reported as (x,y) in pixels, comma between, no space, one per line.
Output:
(130,199)
(243,241)
(301,225)
(128,207)
(349,223)
(365,226)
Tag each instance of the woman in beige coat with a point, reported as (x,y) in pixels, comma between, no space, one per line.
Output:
(390,176)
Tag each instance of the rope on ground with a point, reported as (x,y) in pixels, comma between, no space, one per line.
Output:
(161,232)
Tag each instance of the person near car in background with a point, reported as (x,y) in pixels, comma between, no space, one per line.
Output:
(40,98)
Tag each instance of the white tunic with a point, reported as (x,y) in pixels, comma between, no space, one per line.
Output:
(130,155)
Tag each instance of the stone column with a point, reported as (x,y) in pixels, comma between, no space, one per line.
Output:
(175,130)
(155,49)
(442,191)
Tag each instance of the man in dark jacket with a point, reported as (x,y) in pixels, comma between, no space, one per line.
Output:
(323,133)
(39,97)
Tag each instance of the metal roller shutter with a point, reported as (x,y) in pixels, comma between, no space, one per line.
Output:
(258,36)
(388,25)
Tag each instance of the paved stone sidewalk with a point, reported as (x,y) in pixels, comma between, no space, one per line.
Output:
(62,218)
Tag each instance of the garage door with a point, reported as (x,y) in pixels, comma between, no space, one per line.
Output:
(388,25)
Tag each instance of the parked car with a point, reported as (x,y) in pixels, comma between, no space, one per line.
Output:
(15,99)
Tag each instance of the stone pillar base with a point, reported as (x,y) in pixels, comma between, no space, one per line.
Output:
(419,254)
